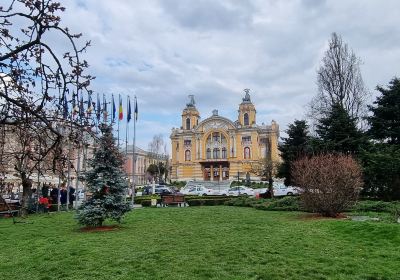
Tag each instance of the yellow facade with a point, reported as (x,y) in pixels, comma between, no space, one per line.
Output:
(218,149)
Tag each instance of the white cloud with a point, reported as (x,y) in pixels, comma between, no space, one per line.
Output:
(164,50)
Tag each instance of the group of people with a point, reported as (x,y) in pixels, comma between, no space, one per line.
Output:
(50,195)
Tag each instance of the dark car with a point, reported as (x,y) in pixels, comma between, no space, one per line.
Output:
(148,190)
(163,190)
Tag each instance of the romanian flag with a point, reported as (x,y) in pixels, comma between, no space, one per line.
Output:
(120,111)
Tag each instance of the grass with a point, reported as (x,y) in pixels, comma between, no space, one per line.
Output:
(201,243)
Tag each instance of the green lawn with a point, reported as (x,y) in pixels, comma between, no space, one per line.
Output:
(201,243)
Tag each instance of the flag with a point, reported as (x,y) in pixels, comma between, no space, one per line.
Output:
(129,114)
(120,110)
(81,109)
(90,105)
(98,111)
(105,112)
(75,107)
(113,108)
(65,106)
(136,109)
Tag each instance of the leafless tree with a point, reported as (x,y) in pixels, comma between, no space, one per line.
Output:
(40,73)
(265,168)
(329,183)
(339,81)
(156,147)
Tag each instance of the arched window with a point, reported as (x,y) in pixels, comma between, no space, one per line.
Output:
(216,153)
(223,152)
(247,153)
(208,153)
(246,119)
(188,124)
(187,155)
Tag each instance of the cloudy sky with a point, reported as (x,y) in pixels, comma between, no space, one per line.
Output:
(162,51)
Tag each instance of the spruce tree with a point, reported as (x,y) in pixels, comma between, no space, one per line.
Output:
(107,182)
(382,162)
(338,132)
(296,145)
(385,119)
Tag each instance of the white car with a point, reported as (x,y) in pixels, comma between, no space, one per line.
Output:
(240,190)
(281,190)
(197,190)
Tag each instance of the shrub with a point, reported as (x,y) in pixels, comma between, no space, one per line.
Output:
(206,202)
(288,203)
(243,201)
(329,183)
(374,206)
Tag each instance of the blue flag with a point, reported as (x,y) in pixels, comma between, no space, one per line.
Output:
(105,112)
(81,109)
(129,116)
(65,106)
(89,106)
(113,108)
(98,110)
(136,109)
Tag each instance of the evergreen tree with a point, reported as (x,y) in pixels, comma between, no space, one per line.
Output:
(296,145)
(107,182)
(338,132)
(382,162)
(381,166)
(385,121)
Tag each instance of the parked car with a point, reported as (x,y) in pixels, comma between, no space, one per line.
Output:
(159,189)
(281,190)
(81,194)
(240,190)
(197,190)
(163,190)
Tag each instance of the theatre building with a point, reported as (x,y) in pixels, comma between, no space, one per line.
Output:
(216,148)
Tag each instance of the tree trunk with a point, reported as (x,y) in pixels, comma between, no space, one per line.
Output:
(26,195)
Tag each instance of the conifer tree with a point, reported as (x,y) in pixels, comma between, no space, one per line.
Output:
(385,121)
(107,182)
(338,132)
(296,145)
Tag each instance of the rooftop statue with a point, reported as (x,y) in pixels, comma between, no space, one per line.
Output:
(191,103)
(246,98)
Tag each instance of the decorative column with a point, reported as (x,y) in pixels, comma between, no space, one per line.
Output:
(211,173)
(220,172)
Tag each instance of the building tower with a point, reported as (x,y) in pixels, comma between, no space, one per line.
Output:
(190,115)
(247,111)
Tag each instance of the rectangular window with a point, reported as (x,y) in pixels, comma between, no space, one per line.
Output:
(246,138)
(187,142)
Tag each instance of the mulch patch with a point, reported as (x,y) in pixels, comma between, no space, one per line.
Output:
(97,229)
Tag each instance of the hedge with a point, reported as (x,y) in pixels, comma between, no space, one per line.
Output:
(288,203)
(192,200)
(376,206)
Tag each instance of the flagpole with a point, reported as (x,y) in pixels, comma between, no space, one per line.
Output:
(119,103)
(127,127)
(69,155)
(133,152)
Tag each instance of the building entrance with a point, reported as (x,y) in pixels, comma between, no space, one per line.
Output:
(215,171)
